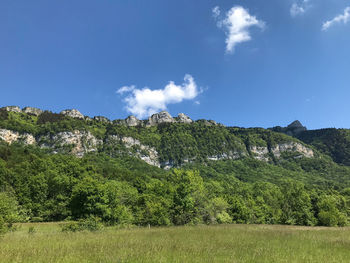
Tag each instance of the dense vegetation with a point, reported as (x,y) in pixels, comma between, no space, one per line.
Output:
(333,142)
(116,188)
(128,191)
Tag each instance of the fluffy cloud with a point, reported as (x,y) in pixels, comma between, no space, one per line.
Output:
(236,25)
(145,102)
(299,8)
(342,18)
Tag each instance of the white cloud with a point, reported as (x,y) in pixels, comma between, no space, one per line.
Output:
(299,8)
(216,11)
(236,25)
(145,102)
(125,89)
(344,18)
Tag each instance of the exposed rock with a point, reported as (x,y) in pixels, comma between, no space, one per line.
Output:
(260,153)
(81,142)
(12,136)
(292,147)
(12,108)
(207,122)
(226,156)
(144,152)
(132,121)
(101,119)
(73,113)
(214,123)
(167,165)
(161,117)
(183,118)
(32,111)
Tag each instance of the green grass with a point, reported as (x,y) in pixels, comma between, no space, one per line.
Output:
(224,243)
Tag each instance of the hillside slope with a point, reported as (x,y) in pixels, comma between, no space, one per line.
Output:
(163,171)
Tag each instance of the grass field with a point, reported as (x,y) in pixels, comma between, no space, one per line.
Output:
(224,243)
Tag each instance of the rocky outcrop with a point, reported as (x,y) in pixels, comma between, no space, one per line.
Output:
(12,136)
(207,122)
(158,118)
(183,118)
(73,113)
(12,108)
(101,119)
(32,111)
(78,142)
(226,156)
(132,121)
(292,147)
(295,128)
(260,153)
(144,152)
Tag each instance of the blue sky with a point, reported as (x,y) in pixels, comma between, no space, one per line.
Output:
(77,54)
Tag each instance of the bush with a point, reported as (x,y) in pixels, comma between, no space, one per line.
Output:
(8,212)
(91,223)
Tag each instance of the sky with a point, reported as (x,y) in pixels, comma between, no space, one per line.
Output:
(247,63)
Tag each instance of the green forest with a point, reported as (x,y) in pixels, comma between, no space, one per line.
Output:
(118,188)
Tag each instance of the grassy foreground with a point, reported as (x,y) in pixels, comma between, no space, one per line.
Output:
(228,243)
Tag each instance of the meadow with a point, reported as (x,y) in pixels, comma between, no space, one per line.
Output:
(45,242)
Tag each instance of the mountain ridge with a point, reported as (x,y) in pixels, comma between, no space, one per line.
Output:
(81,134)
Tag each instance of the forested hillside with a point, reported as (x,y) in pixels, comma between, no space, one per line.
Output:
(166,171)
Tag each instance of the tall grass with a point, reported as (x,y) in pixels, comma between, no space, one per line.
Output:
(228,243)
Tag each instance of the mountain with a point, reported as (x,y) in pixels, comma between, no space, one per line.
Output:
(171,170)
(162,140)
(330,141)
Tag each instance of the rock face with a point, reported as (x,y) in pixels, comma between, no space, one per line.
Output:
(144,152)
(73,113)
(161,117)
(226,156)
(78,142)
(260,153)
(132,121)
(292,147)
(12,136)
(12,108)
(32,111)
(183,118)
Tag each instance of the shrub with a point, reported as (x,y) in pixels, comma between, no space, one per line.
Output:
(92,223)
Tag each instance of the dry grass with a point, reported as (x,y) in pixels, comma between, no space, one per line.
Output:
(229,243)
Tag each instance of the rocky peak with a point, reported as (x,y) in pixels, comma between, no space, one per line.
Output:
(295,124)
(183,118)
(161,117)
(32,111)
(101,119)
(132,121)
(12,108)
(73,113)
(295,128)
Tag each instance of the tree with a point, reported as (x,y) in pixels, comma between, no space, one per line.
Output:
(9,211)
(189,199)
(296,205)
